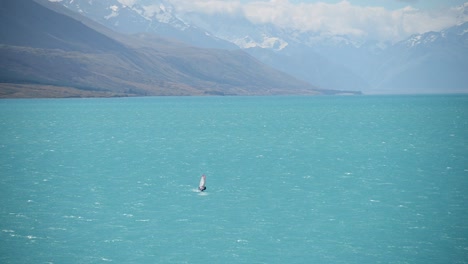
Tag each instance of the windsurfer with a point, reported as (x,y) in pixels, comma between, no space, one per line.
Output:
(202,186)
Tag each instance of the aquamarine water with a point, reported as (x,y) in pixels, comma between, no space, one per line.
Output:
(367,179)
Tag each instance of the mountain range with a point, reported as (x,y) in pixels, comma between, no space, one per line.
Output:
(431,62)
(63,48)
(47,50)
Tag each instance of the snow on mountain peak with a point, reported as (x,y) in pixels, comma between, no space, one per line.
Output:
(413,41)
(128,3)
(155,11)
(114,12)
(268,42)
(426,38)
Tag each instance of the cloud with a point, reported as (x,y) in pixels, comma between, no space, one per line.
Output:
(127,2)
(208,6)
(341,18)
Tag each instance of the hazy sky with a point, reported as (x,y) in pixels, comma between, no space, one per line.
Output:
(391,4)
(381,20)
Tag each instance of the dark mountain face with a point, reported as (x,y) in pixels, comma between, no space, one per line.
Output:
(27,23)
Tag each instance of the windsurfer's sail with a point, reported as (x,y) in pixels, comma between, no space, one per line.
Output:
(202,186)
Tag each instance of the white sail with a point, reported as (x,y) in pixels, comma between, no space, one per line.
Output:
(201,186)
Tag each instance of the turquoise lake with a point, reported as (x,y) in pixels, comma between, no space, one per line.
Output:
(357,179)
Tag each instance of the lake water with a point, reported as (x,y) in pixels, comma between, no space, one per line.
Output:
(365,179)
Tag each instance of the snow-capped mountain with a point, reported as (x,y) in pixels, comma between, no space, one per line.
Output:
(342,62)
(327,60)
(240,31)
(155,17)
(453,35)
(433,62)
